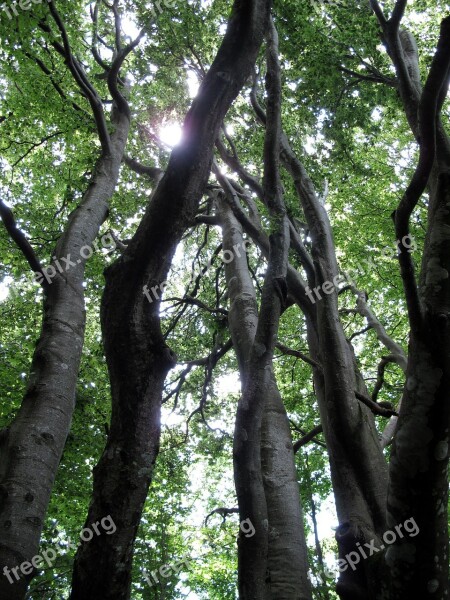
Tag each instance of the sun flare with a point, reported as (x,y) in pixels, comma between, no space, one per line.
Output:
(170,134)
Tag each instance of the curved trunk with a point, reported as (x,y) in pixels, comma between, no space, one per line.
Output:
(260,473)
(138,358)
(33,444)
(359,478)
(416,565)
(358,468)
(418,491)
(287,564)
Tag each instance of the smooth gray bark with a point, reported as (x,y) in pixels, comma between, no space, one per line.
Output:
(287,555)
(262,470)
(34,442)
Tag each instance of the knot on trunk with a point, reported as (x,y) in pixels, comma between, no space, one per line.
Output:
(169,357)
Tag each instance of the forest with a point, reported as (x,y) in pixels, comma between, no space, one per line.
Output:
(224,299)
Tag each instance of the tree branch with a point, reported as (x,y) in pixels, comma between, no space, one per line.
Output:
(307,438)
(385,360)
(199,303)
(377,409)
(113,75)
(80,78)
(20,240)
(372,78)
(428,113)
(253,183)
(207,220)
(223,512)
(364,310)
(378,12)
(56,85)
(95,53)
(290,352)
(154,173)
(36,145)
(397,13)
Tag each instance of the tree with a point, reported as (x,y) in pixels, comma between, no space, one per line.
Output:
(33,442)
(236,202)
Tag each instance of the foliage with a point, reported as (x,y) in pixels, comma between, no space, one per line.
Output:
(349,132)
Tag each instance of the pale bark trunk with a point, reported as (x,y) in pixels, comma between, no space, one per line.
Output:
(359,477)
(263,471)
(287,555)
(287,558)
(34,442)
(358,468)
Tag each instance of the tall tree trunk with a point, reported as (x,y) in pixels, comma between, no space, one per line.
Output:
(287,555)
(287,558)
(138,358)
(359,477)
(263,455)
(419,459)
(418,491)
(358,468)
(366,470)
(33,444)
